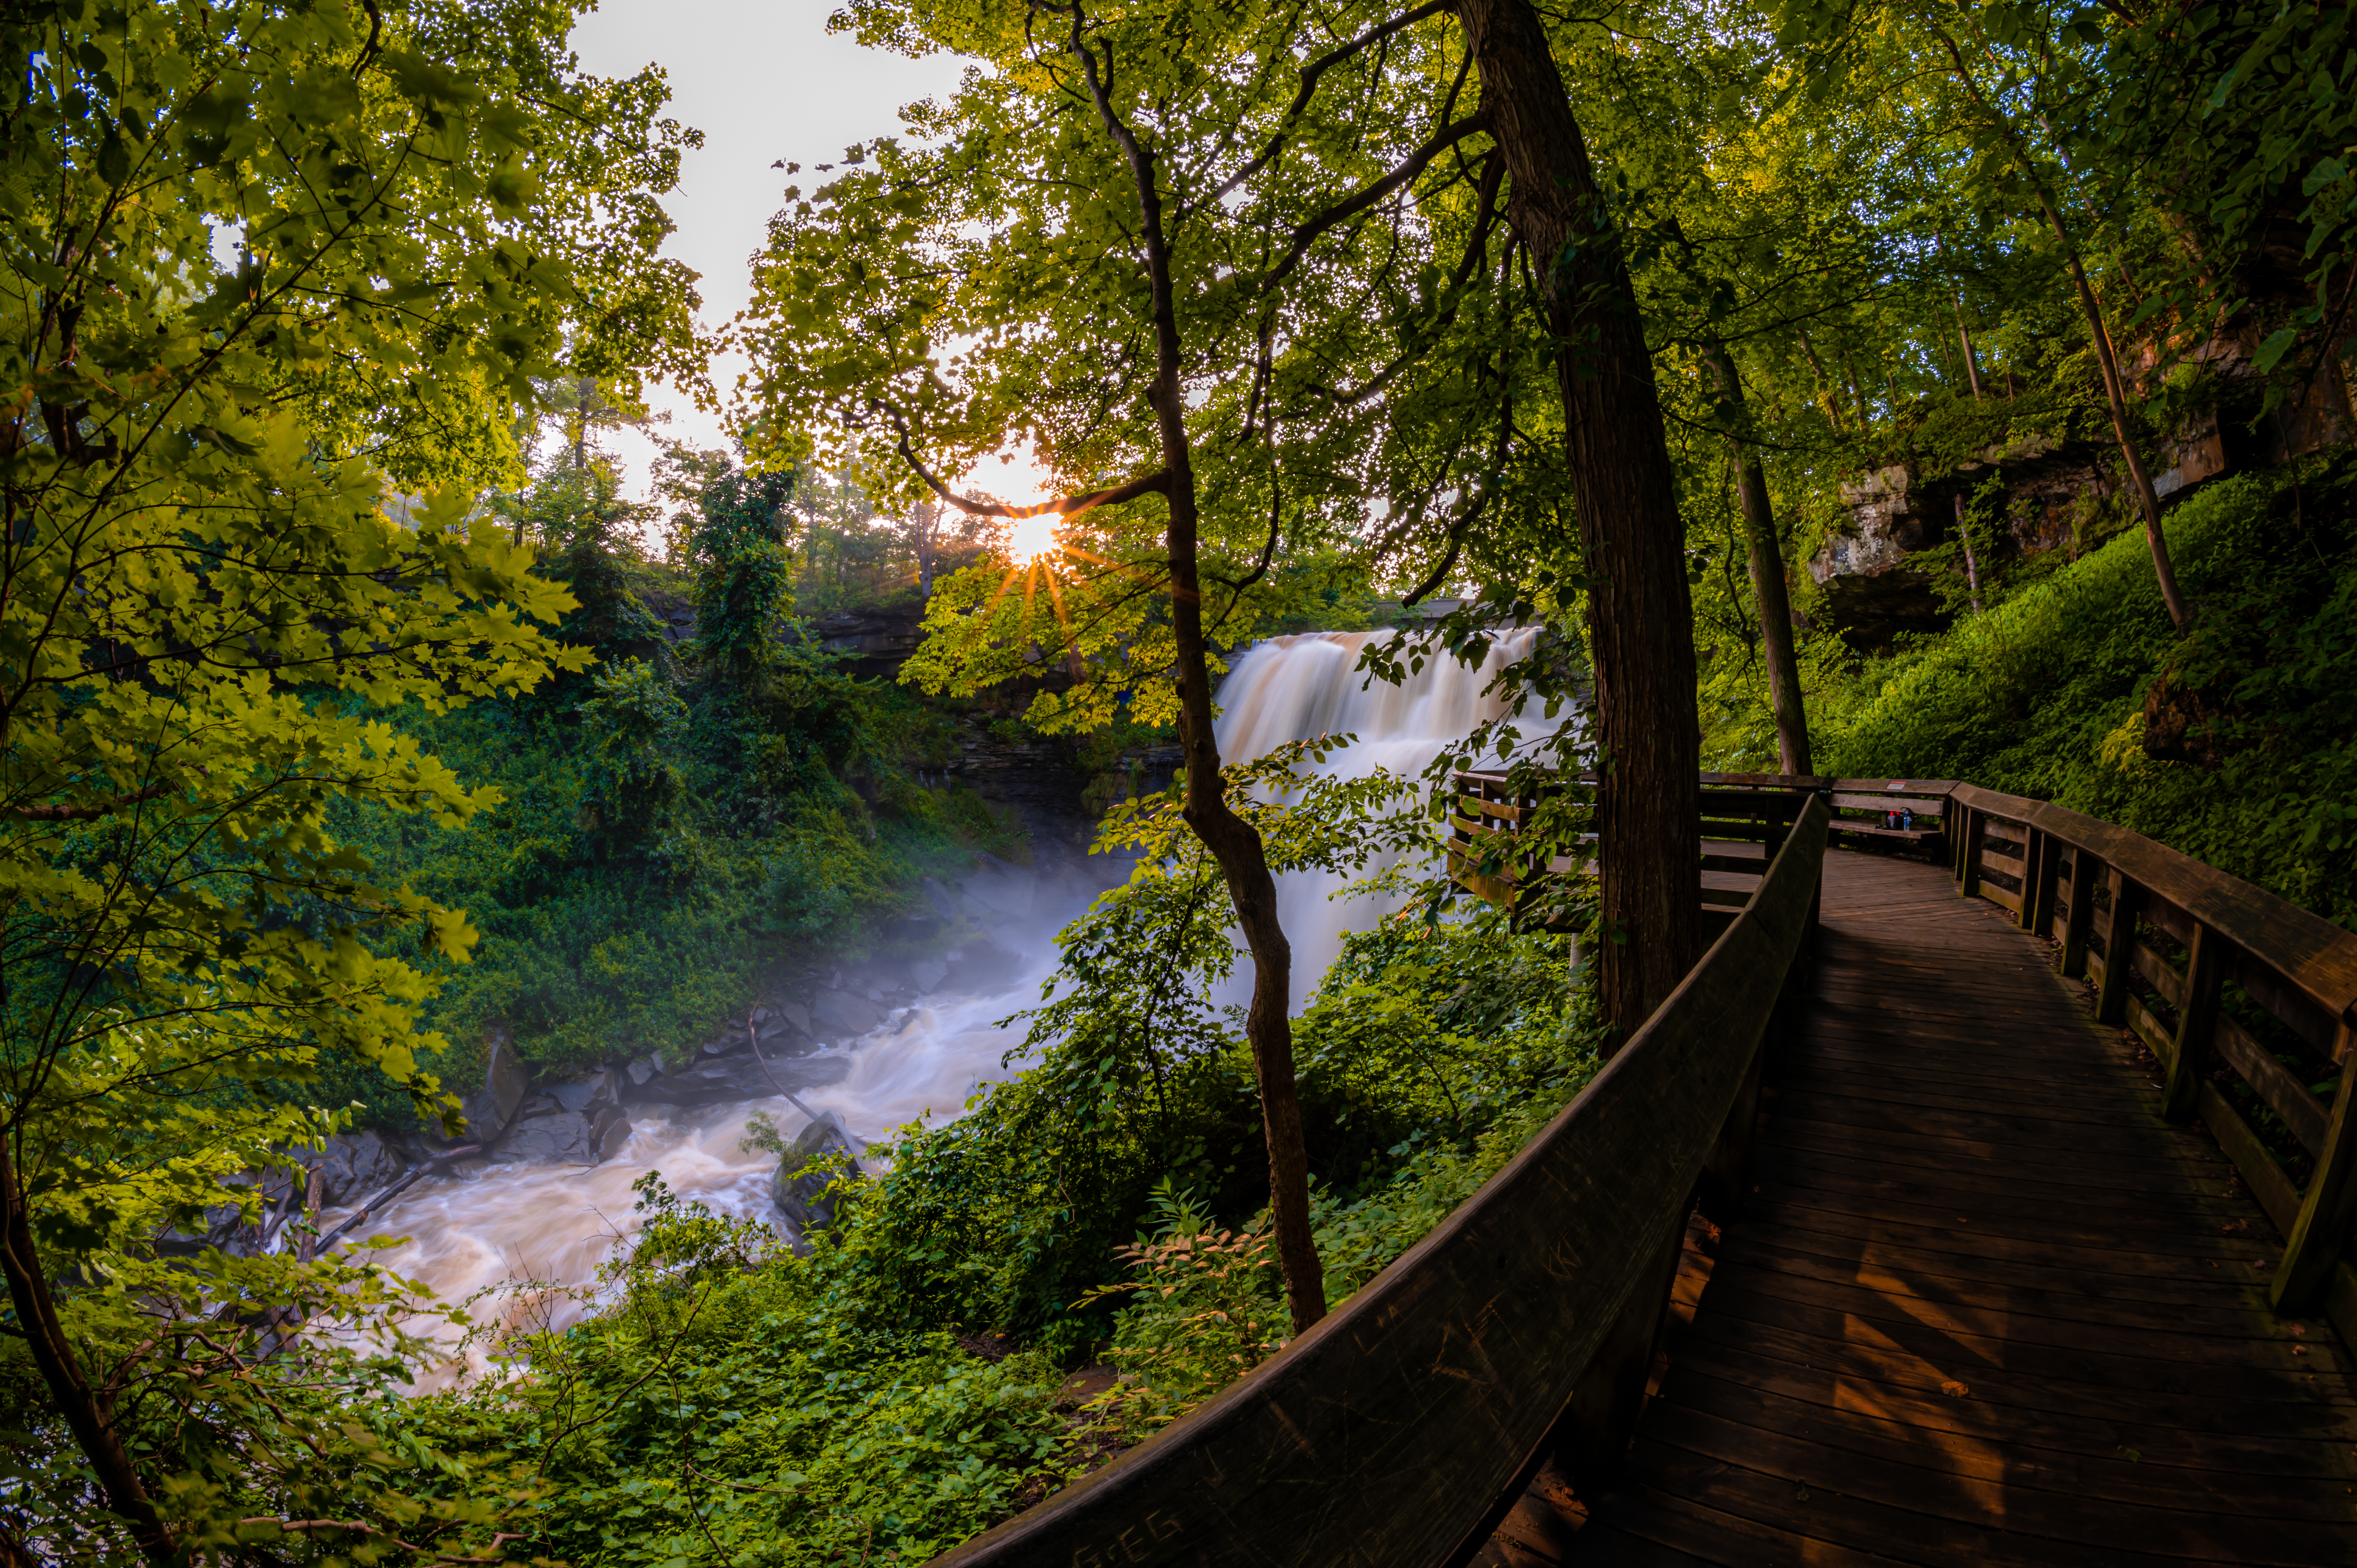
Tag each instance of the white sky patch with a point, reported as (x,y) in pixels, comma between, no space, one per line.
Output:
(764,81)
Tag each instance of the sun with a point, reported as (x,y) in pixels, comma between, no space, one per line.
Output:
(1031,537)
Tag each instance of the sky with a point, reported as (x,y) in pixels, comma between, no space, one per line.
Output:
(763,80)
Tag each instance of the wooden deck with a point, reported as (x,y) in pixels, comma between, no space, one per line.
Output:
(1984,1307)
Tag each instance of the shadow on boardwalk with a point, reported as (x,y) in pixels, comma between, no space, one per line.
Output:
(1985,1307)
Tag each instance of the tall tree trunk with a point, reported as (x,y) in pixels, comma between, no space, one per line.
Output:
(1964,539)
(2180,615)
(1233,841)
(1641,622)
(1972,360)
(1767,552)
(89,1413)
(1857,390)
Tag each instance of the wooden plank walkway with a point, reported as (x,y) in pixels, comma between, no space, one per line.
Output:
(1985,1307)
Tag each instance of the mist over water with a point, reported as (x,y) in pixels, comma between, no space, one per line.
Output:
(556,1223)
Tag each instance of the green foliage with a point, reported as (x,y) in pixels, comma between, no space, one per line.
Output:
(217,626)
(662,848)
(1208,1306)
(2047,694)
(726,1403)
(632,783)
(1428,1038)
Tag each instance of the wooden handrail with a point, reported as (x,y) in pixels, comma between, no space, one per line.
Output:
(1386,1433)
(2294,966)
(2050,867)
(2307,949)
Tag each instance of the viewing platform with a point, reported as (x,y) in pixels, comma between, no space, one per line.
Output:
(1984,1213)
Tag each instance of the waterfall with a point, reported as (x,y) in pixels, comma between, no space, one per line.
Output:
(1300,687)
(556,1223)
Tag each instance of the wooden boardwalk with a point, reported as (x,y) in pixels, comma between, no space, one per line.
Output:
(1984,1306)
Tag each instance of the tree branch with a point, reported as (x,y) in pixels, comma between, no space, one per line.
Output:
(1157,482)
(1306,234)
(1310,75)
(1477,251)
(85,813)
(1447,562)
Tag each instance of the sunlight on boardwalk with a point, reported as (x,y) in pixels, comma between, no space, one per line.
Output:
(1985,1308)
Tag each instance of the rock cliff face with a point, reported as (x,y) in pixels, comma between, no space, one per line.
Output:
(1876,582)
(1876,585)
(877,641)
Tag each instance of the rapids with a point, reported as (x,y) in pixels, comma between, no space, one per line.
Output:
(513,1223)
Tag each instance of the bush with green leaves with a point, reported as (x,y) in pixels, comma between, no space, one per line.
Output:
(664,848)
(723,1403)
(1431,1046)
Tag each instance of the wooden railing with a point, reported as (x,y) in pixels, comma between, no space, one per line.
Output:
(1738,810)
(1391,1432)
(2176,951)
(2095,889)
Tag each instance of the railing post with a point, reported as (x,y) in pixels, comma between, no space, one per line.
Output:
(2038,869)
(2079,918)
(1968,878)
(2119,947)
(2324,1210)
(2197,1022)
(1592,1436)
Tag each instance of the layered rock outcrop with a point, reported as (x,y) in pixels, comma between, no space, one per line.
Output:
(2060,488)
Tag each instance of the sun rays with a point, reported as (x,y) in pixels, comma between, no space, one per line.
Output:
(1033,537)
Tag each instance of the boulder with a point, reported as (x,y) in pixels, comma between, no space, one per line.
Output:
(506,1082)
(355,1167)
(781,1036)
(844,1013)
(793,1013)
(562,1137)
(645,1068)
(1002,887)
(583,1093)
(943,902)
(802,1191)
(980,968)
(927,974)
(609,1132)
(717,1080)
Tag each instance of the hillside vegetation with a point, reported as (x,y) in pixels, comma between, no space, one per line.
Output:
(2233,742)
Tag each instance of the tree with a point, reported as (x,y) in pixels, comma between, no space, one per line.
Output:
(735,529)
(2017,168)
(1641,635)
(1765,550)
(1193,253)
(203,600)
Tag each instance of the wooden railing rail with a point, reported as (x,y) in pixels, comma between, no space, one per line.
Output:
(2100,891)
(1388,1433)
(1486,858)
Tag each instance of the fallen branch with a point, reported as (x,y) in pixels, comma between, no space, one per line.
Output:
(395,1190)
(754,1040)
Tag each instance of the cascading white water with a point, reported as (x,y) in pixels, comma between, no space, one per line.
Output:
(1297,688)
(558,1223)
